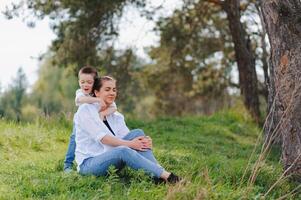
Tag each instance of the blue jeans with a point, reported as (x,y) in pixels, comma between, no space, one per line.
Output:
(147,154)
(70,154)
(122,156)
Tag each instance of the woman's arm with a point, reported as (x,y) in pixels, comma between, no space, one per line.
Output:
(137,143)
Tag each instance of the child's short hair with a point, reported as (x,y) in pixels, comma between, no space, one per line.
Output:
(88,70)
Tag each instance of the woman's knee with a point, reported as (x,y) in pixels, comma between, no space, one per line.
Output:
(138,132)
(133,134)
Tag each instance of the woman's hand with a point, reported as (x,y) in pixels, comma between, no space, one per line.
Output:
(147,142)
(102,104)
(139,143)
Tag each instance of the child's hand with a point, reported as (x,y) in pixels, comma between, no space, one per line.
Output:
(102,104)
(106,112)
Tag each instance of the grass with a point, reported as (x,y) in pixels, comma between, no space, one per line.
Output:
(210,153)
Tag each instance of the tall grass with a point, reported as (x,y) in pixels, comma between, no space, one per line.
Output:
(210,153)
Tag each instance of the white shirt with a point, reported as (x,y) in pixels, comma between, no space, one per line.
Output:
(79,93)
(90,130)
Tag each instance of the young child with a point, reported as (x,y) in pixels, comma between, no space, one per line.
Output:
(86,78)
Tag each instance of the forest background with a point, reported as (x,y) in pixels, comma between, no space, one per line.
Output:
(191,70)
(213,57)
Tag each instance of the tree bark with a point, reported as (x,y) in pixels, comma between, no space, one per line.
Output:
(265,54)
(283,24)
(244,57)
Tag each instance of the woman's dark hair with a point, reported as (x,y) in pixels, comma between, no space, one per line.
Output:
(98,82)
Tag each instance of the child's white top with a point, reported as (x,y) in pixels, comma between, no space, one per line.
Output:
(79,93)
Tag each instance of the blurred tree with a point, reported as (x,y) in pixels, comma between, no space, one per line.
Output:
(1,105)
(264,55)
(283,25)
(82,27)
(126,67)
(192,64)
(6,105)
(244,55)
(54,91)
(12,99)
(19,87)
(85,31)
(193,61)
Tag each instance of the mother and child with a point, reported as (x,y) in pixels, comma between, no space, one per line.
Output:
(100,137)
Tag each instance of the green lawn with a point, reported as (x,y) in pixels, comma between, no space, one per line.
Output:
(210,153)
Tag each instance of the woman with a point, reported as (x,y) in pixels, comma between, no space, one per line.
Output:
(100,144)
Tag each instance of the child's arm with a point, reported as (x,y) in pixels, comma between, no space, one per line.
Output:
(88,99)
(81,98)
(111,109)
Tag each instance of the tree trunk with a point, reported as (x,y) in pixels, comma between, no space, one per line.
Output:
(283,25)
(244,57)
(265,54)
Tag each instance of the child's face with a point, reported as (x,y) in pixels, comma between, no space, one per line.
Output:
(86,83)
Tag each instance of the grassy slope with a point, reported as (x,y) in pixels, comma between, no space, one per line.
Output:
(211,154)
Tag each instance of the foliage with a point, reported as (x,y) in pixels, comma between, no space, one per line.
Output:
(82,27)
(210,153)
(12,99)
(54,91)
(195,59)
(193,62)
(190,70)
(84,32)
(125,67)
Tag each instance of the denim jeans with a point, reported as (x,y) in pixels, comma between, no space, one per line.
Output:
(147,154)
(70,154)
(122,156)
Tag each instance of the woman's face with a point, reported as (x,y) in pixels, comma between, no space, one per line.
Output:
(107,92)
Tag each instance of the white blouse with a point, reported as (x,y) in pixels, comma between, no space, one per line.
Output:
(90,130)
